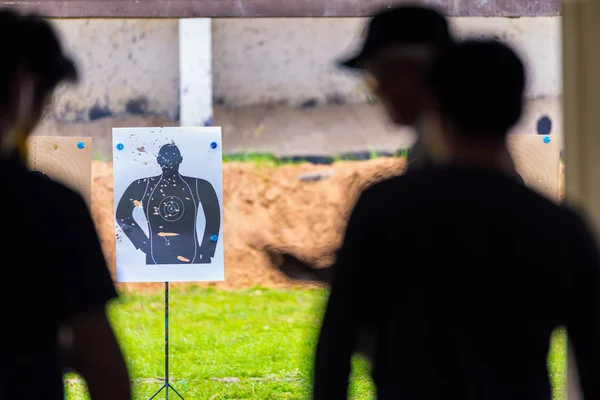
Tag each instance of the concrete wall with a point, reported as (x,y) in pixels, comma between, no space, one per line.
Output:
(131,66)
(127,66)
(282,60)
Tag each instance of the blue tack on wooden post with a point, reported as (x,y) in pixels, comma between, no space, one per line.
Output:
(547,139)
(80,145)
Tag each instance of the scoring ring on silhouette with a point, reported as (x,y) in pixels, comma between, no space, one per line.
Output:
(171,208)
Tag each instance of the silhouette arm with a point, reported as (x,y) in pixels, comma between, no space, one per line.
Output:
(583,322)
(212,212)
(347,307)
(124,215)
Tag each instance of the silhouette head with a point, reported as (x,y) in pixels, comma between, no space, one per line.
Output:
(169,157)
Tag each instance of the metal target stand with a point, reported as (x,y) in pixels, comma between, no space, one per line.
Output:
(167,385)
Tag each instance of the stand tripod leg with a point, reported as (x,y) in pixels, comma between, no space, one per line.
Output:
(159,390)
(176,392)
(167,385)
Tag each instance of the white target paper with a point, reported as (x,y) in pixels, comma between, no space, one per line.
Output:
(168,196)
(67,160)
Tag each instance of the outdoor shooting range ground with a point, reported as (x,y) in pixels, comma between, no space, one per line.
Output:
(266,205)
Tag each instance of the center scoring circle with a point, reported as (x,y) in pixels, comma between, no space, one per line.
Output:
(171,208)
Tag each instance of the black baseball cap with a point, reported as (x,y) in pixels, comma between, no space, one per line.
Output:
(30,42)
(402,25)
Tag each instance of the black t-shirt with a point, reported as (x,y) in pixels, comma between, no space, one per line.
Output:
(418,158)
(53,269)
(461,275)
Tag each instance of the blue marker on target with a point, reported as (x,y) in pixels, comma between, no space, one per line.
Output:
(213,145)
(80,145)
(214,238)
(120,146)
(547,139)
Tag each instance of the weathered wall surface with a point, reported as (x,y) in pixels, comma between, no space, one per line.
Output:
(131,66)
(274,8)
(127,66)
(283,60)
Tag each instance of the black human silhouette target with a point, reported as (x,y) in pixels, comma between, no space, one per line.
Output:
(171,203)
(171,208)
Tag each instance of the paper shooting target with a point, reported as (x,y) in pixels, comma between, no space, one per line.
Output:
(537,160)
(64,159)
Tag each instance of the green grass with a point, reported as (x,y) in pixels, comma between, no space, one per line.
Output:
(258,158)
(253,344)
(98,156)
(268,159)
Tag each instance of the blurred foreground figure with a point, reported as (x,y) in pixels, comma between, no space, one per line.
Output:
(400,45)
(461,272)
(54,271)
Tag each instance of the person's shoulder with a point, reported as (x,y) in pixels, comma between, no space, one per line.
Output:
(384,186)
(48,201)
(401,185)
(47,190)
(380,197)
(377,193)
(557,219)
(52,195)
(573,221)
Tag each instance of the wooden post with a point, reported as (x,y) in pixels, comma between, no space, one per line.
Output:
(581,101)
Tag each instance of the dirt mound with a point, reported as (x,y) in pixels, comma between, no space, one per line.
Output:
(286,207)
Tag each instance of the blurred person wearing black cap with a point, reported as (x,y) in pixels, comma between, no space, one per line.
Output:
(400,44)
(460,272)
(55,273)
